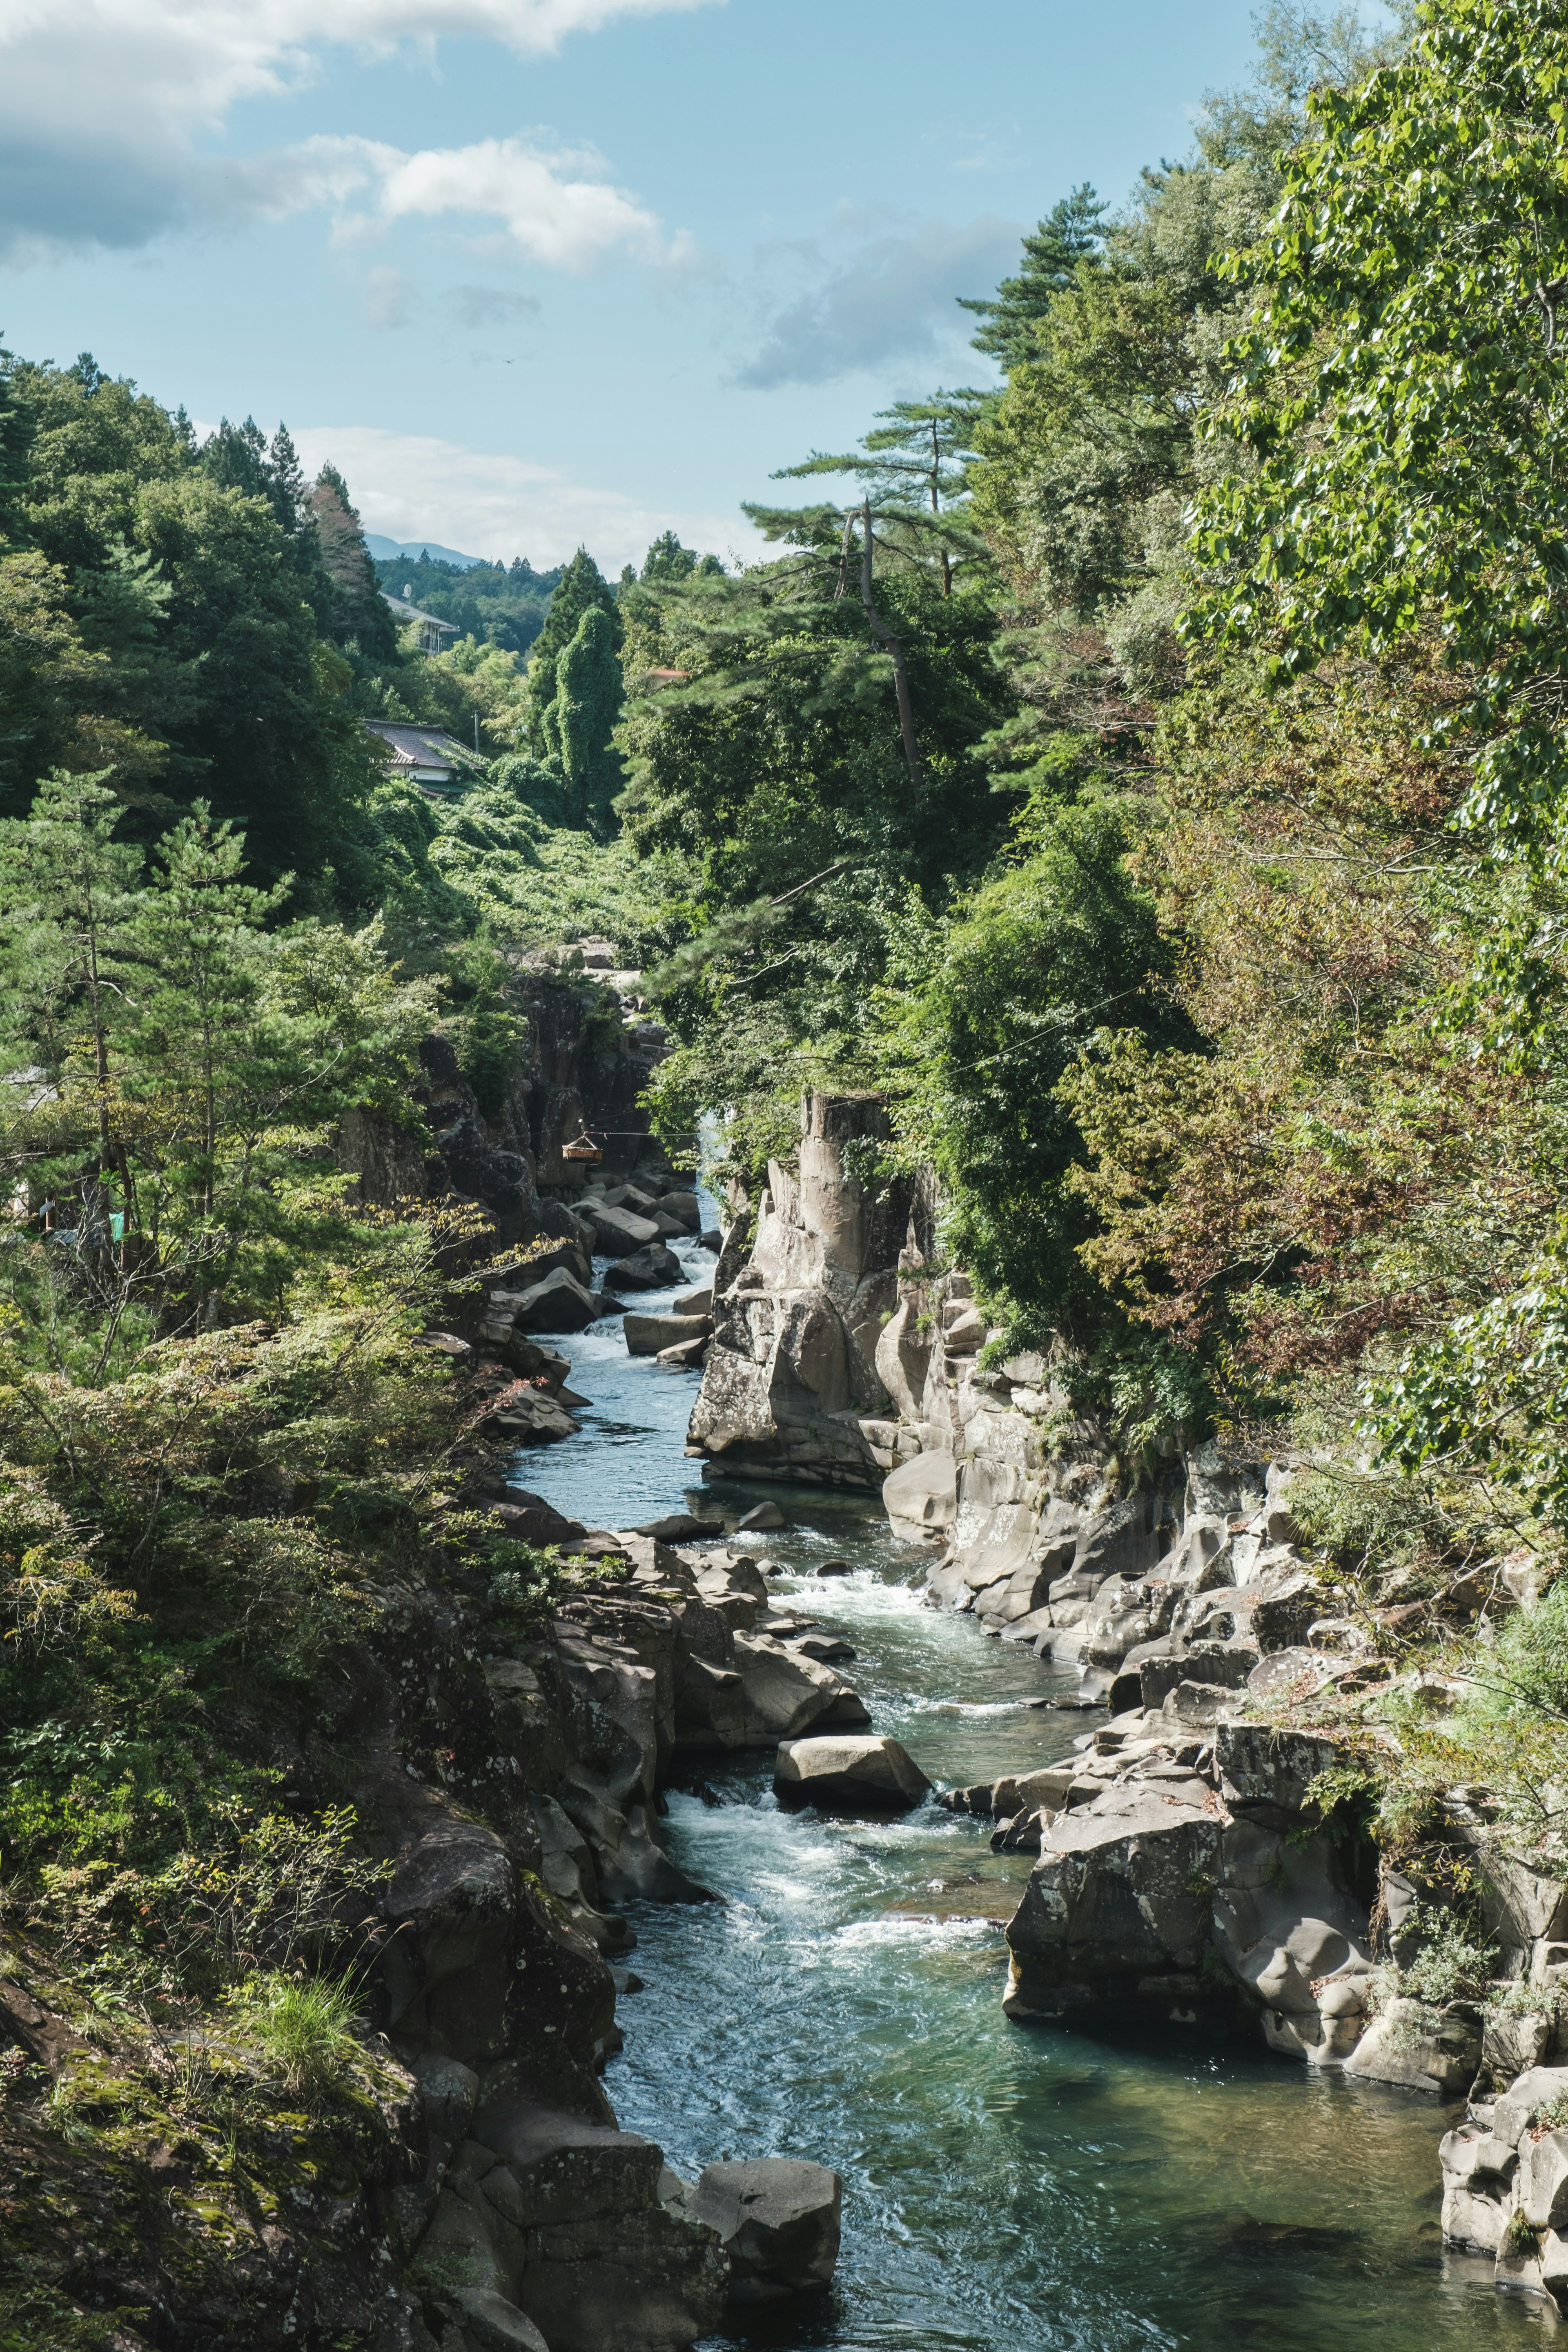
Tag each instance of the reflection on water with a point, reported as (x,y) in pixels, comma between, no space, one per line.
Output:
(1006,2190)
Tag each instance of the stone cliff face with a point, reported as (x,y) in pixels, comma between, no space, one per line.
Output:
(575,1069)
(791,1387)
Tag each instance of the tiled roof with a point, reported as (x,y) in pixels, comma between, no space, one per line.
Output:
(421,747)
(407,612)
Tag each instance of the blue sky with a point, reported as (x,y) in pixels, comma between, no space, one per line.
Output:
(538,271)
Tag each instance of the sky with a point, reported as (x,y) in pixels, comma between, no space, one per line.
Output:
(537,273)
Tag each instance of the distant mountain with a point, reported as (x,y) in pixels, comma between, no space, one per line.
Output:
(410,551)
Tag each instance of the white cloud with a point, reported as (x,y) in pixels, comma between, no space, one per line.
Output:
(101,100)
(550,216)
(412,487)
(895,298)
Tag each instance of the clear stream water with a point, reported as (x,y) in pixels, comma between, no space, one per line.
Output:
(1006,2188)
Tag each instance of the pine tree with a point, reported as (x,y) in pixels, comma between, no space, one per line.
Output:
(358,608)
(1069,235)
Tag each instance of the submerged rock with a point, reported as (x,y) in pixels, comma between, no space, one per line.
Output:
(849,1776)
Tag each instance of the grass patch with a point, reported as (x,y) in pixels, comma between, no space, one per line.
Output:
(304,2026)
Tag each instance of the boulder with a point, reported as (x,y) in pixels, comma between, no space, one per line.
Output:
(777,2220)
(1407,2045)
(654,1269)
(762,1516)
(1115,1913)
(529,1418)
(784,1693)
(619,1232)
(688,1356)
(529,1519)
(921,1498)
(849,1776)
(683,1207)
(695,1302)
(559,1303)
(649,1335)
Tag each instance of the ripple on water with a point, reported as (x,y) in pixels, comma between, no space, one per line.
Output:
(1006,2190)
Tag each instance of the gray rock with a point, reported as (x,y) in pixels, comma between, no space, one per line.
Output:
(695,1302)
(1116,1902)
(619,1232)
(494,2325)
(448,2092)
(559,1303)
(1523,2101)
(849,1776)
(785,1695)
(646,1334)
(1403,2045)
(654,1269)
(762,1516)
(688,1356)
(778,2221)
(921,1498)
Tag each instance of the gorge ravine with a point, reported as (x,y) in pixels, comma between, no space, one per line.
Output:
(1006,2186)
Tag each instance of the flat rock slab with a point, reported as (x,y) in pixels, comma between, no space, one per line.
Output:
(646,1334)
(849,1776)
(778,2219)
(619,1232)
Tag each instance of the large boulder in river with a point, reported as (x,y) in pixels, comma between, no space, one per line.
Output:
(619,1232)
(785,1694)
(646,1334)
(849,1776)
(778,2221)
(559,1303)
(654,1269)
(1119,1901)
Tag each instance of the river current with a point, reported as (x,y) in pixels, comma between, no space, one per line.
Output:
(1006,2188)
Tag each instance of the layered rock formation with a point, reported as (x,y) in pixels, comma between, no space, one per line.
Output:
(791,1387)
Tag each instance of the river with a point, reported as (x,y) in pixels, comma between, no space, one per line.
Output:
(1006,2188)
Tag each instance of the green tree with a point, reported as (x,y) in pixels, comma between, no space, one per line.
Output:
(1071,233)
(582,588)
(914,468)
(581,717)
(359,610)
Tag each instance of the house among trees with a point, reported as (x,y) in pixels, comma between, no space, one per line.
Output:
(431,630)
(426,756)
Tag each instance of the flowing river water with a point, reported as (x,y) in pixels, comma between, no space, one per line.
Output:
(1006,2188)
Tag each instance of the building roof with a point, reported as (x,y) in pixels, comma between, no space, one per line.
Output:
(407,612)
(421,747)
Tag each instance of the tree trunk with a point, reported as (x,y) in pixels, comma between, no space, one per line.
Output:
(890,646)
